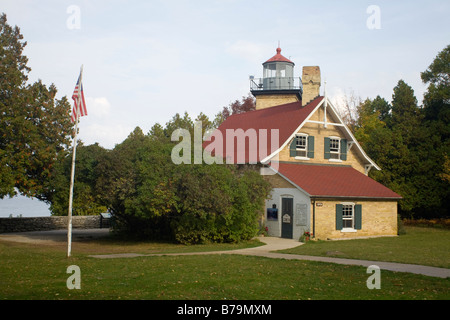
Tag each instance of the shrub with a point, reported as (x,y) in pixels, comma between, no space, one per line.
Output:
(436,223)
(153,198)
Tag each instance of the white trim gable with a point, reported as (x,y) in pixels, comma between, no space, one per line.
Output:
(269,157)
(352,137)
(290,181)
(340,123)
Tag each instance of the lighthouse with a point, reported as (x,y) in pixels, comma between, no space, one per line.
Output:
(279,85)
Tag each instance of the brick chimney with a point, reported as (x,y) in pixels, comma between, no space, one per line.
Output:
(311,84)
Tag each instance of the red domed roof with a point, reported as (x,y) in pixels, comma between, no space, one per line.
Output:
(278,58)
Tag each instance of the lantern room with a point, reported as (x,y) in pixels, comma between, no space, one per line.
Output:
(278,82)
(278,73)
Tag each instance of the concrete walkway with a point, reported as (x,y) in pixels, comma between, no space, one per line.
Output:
(274,244)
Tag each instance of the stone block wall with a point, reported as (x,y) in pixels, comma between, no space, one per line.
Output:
(379,218)
(273,100)
(311,83)
(47,223)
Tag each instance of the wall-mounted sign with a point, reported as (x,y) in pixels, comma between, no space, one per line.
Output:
(272,214)
(319,204)
(301,216)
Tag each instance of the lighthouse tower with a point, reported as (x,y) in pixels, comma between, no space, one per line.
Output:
(279,86)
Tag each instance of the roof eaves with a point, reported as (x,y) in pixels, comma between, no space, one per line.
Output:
(289,180)
(355,197)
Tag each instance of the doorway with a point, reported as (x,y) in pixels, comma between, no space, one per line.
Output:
(287,207)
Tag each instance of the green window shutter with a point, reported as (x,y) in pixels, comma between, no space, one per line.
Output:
(343,149)
(326,145)
(311,147)
(358,216)
(293,146)
(339,223)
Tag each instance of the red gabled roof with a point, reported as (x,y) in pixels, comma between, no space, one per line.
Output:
(333,181)
(284,118)
(278,57)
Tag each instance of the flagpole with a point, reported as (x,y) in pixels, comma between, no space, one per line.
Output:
(72,176)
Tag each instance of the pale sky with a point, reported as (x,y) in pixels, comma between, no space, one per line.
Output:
(144,61)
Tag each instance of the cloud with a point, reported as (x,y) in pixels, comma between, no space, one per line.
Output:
(98,107)
(107,135)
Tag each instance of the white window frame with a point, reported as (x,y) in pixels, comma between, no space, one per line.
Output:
(335,153)
(305,149)
(346,206)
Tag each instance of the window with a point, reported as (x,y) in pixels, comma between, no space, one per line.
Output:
(270,71)
(301,144)
(335,144)
(335,149)
(302,147)
(348,217)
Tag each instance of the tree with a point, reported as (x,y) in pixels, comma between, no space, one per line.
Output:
(410,149)
(404,161)
(34,126)
(368,122)
(246,104)
(178,122)
(436,142)
(220,203)
(389,133)
(157,132)
(13,76)
(406,115)
(437,97)
(87,200)
(152,198)
(348,109)
(383,109)
(438,73)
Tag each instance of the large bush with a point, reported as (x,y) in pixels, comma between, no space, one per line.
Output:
(152,198)
(217,203)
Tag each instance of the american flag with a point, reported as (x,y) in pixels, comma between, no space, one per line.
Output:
(79,103)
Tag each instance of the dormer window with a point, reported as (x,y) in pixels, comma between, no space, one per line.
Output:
(335,149)
(302,147)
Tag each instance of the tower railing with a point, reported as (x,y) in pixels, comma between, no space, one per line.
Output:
(276,83)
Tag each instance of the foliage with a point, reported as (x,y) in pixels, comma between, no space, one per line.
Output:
(429,223)
(34,126)
(411,143)
(246,104)
(153,198)
(86,200)
(305,237)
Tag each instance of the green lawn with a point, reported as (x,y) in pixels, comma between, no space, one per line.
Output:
(424,246)
(39,272)
(113,244)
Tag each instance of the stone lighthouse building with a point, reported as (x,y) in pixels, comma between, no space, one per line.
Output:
(320,181)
